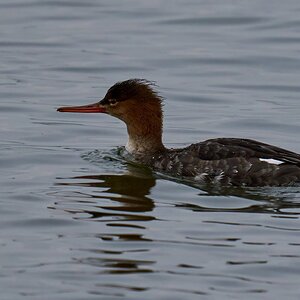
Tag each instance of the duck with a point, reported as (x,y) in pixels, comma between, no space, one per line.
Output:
(217,161)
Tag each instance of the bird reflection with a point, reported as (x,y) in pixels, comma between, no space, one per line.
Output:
(119,201)
(111,197)
(270,200)
(123,203)
(126,197)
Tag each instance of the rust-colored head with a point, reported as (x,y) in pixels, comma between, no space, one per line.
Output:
(137,92)
(135,102)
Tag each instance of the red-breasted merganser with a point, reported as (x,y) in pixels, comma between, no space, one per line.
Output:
(226,161)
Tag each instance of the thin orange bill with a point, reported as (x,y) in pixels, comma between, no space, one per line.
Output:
(91,108)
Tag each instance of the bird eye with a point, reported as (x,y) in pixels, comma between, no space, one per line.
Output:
(112,102)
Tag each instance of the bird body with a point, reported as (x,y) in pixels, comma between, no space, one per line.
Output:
(225,161)
(229,161)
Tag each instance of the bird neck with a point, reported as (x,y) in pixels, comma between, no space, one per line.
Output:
(143,144)
(145,131)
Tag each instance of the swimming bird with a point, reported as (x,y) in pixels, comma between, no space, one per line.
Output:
(224,161)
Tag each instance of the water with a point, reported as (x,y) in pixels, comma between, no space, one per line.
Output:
(77,222)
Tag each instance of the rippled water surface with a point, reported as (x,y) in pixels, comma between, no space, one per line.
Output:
(77,221)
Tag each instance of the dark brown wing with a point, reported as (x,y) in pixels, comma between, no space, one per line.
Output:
(222,148)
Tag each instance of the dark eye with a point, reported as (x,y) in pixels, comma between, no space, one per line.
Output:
(112,101)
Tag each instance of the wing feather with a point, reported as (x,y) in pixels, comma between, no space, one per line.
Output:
(223,148)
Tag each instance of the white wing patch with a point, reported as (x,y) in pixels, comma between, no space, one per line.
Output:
(219,177)
(216,178)
(201,177)
(272,161)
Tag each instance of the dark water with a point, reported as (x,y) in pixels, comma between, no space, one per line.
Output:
(77,222)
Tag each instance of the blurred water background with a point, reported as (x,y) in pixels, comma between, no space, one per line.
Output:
(77,222)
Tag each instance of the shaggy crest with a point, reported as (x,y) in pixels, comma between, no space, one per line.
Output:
(140,89)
